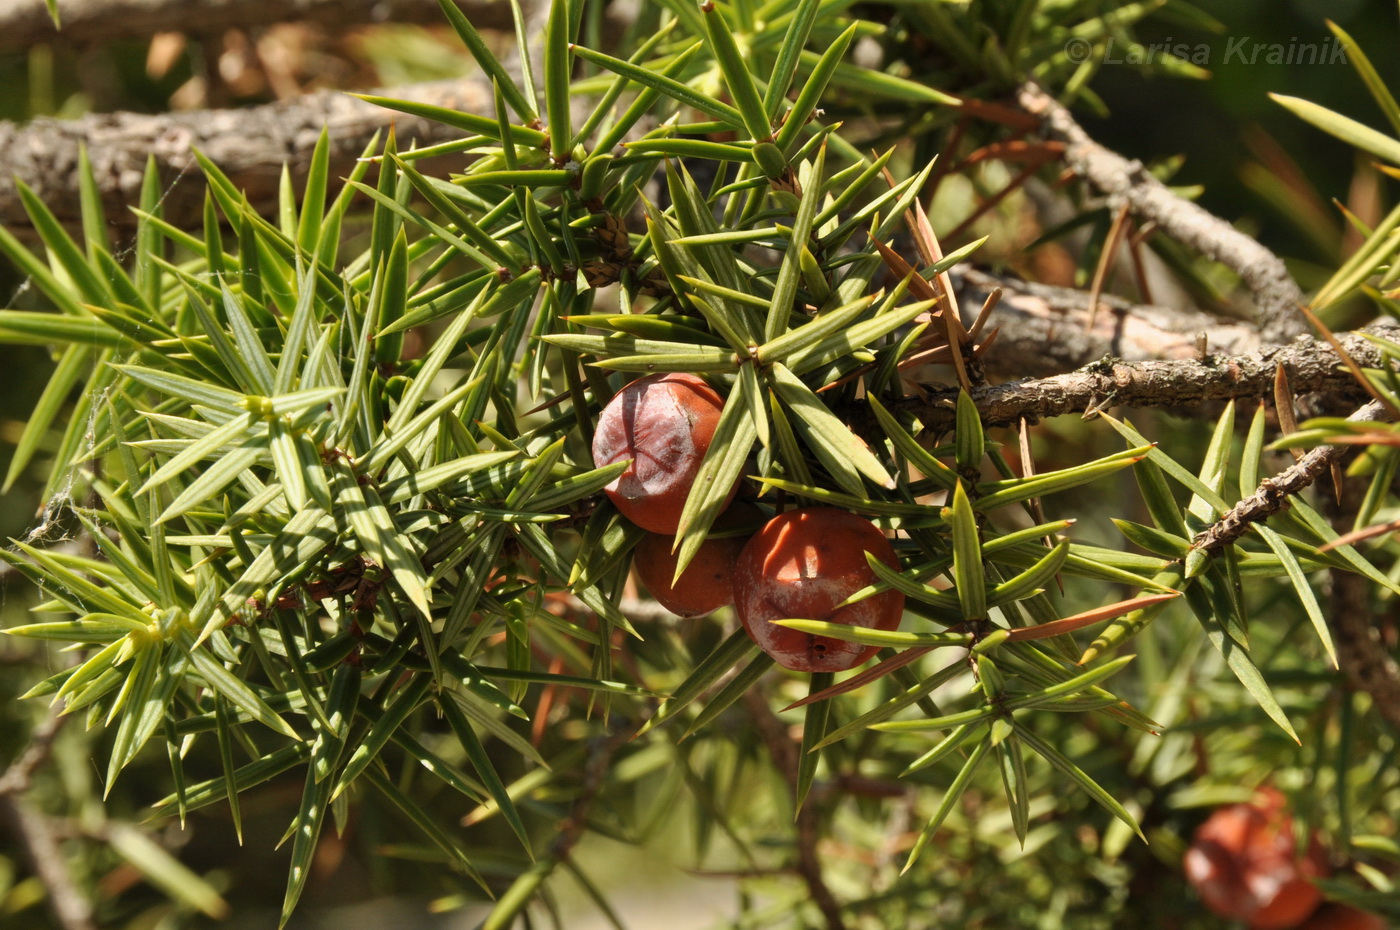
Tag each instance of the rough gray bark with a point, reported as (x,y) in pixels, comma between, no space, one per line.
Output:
(1276,295)
(24,23)
(1043,330)
(250,145)
(1312,365)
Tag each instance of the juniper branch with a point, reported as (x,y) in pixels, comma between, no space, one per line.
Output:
(1312,365)
(1276,294)
(1273,493)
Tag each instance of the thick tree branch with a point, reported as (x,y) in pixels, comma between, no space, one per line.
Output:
(250,145)
(1312,365)
(1276,295)
(25,23)
(1273,493)
(633,608)
(1044,330)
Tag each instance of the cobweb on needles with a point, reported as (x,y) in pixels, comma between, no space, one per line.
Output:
(50,528)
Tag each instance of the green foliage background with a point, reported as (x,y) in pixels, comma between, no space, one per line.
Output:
(1077,867)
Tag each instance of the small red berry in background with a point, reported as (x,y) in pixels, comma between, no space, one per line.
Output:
(801,565)
(1342,917)
(664,424)
(1244,864)
(707,584)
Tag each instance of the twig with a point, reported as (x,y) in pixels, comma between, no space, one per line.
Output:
(784,753)
(70,907)
(1276,295)
(1273,493)
(17,777)
(25,23)
(595,778)
(1312,365)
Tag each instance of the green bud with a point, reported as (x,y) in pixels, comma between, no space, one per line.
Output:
(991,641)
(595,181)
(396,386)
(990,676)
(770,159)
(812,275)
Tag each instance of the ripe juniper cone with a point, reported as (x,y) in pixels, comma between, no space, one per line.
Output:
(664,424)
(707,584)
(1243,863)
(801,565)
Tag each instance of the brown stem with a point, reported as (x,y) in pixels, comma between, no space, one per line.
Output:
(70,907)
(784,752)
(595,778)
(1125,182)
(633,608)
